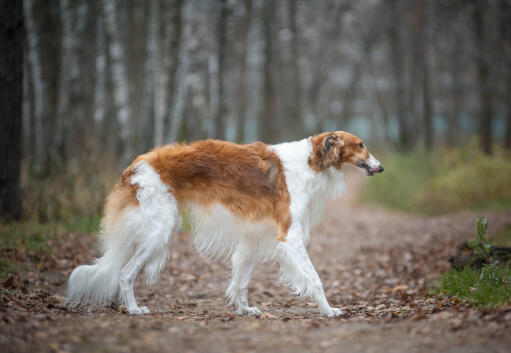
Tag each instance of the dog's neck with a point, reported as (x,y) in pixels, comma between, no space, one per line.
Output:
(295,159)
(307,186)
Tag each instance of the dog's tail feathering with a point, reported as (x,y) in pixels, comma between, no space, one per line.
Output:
(99,283)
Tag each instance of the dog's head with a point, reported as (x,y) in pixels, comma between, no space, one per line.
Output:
(333,149)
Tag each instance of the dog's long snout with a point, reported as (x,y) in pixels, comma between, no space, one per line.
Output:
(374,164)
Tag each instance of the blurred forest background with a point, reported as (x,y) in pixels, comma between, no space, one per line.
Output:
(107,80)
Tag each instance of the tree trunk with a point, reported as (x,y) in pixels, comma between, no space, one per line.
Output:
(427,105)
(74,125)
(147,133)
(396,56)
(180,91)
(295,114)
(221,34)
(267,119)
(110,124)
(507,141)
(484,89)
(11,101)
(508,122)
(368,39)
(29,110)
(242,84)
(421,62)
(118,64)
(44,32)
(455,95)
(136,48)
(161,75)
(505,19)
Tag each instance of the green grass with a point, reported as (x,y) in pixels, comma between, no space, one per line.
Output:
(443,181)
(489,287)
(37,238)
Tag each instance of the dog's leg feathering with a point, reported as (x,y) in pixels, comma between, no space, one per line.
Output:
(237,293)
(298,271)
(156,219)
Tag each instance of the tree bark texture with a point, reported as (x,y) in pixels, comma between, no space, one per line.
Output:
(11,98)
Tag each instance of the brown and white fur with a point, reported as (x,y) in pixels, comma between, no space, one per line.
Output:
(247,204)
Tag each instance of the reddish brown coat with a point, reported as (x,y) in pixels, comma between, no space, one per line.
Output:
(248,180)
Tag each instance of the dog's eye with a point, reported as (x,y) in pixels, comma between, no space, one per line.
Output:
(361,145)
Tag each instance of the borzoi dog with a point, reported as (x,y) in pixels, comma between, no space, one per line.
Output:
(247,203)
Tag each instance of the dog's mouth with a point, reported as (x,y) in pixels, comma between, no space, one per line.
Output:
(369,170)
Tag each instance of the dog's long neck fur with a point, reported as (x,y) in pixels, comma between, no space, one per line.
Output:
(307,187)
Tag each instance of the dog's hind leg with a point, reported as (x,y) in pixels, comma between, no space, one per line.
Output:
(151,252)
(129,274)
(151,225)
(242,265)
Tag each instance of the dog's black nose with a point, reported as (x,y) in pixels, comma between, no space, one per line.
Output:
(381,169)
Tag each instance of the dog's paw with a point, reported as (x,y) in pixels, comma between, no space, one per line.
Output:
(145,310)
(249,310)
(140,311)
(332,312)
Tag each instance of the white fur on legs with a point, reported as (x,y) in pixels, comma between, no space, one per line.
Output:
(296,269)
(128,276)
(243,263)
(154,220)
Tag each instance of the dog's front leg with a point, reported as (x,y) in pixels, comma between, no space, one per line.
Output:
(297,269)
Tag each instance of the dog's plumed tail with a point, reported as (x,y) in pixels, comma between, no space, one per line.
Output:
(99,283)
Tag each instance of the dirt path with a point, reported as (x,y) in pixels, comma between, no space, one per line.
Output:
(375,264)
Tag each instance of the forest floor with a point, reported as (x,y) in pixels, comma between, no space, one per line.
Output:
(377,265)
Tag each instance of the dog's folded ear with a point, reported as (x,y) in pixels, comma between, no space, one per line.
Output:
(329,142)
(327,151)
(332,151)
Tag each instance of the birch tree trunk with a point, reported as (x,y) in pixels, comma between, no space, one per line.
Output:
(44,55)
(267,119)
(120,83)
(254,69)
(180,92)
(221,34)
(148,117)
(110,123)
(78,81)
(161,74)
(136,51)
(295,118)
(244,33)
